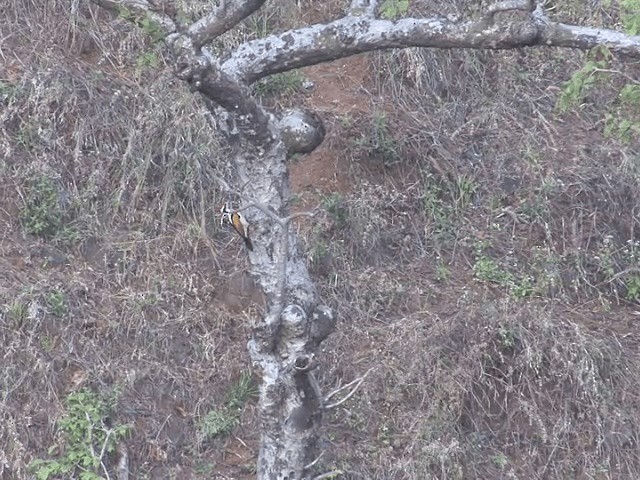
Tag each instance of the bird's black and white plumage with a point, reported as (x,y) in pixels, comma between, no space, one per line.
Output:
(238,222)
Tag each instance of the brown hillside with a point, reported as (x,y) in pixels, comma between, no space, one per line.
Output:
(480,244)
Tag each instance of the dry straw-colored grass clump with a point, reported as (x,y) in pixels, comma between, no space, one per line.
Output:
(488,390)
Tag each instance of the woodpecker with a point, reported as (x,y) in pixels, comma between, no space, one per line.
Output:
(238,222)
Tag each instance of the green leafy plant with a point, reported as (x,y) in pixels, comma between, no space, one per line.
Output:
(148,60)
(485,268)
(442,272)
(583,80)
(217,423)
(630,95)
(623,122)
(17,313)
(279,84)
(444,204)
(149,26)
(622,129)
(522,289)
(488,270)
(507,337)
(318,249)
(221,421)
(433,202)
(241,392)
(464,190)
(7,91)
(152,28)
(378,140)
(27,135)
(261,23)
(56,301)
(334,204)
(47,343)
(42,213)
(145,301)
(631,16)
(67,235)
(392,9)
(204,468)
(84,440)
(500,460)
(633,288)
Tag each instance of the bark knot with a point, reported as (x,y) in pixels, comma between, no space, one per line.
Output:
(302,130)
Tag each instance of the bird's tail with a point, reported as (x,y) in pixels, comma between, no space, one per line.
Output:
(248,243)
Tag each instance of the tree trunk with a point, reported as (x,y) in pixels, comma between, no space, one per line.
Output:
(285,340)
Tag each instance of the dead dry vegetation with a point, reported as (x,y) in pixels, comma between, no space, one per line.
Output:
(480,245)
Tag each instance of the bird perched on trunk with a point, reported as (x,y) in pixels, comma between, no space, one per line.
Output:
(238,222)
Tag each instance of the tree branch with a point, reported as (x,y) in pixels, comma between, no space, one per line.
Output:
(554,34)
(355,384)
(223,18)
(329,475)
(363,7)
(140,8)
(351,35)
(292,327)
(122,467)
(203,73)
(504,6)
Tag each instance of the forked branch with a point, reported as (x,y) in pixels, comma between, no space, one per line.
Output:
(505,6)
(140,9)
(352,34)
(354,385)
(223,18)
(363,8)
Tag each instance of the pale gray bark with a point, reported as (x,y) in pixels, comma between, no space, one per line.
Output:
(221,19)
(351,35)
(140,8)
(285,340)
(363,7)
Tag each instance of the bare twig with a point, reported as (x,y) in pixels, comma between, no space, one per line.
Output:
(108,432)
(283,222)
(293,216)
(104,445)
(310,465)
(331,474)
(621,274)
(526,5)
(223,18)
(618,72)
(267,211)
(508,211)
(252,203)
(90,434)
(122,468)
(363,8)
(355,383)
(140,8)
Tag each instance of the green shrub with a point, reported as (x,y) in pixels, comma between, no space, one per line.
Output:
(56,301)
(221,421)
(42,214)
(84,440)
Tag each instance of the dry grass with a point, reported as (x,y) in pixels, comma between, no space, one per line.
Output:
(481,260)
(497,197)
(488,390)
(121,295)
